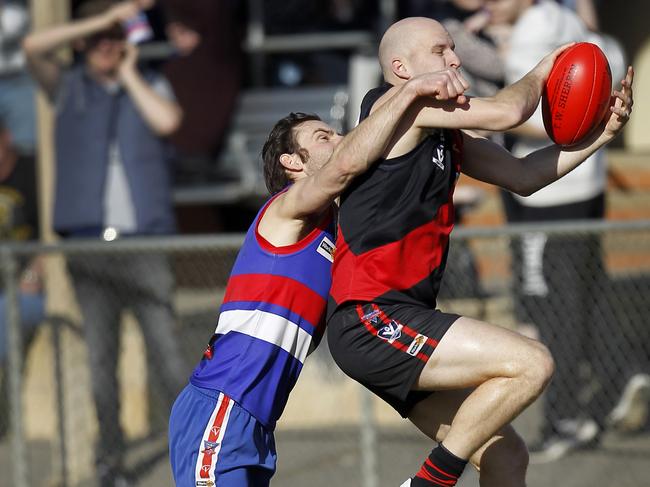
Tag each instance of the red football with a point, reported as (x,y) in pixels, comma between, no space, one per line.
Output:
(577,94)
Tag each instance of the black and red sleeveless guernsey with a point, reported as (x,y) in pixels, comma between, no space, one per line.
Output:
(393,236)
(395,221)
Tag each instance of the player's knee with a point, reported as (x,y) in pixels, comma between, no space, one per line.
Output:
(539,367)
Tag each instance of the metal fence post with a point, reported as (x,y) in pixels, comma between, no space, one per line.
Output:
(57,330)
(15,368)
(369,446)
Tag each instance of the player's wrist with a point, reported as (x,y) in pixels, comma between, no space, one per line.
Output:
(410,90)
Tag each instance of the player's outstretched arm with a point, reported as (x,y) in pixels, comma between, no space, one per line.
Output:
(355,153)
(491,163)
(509,108)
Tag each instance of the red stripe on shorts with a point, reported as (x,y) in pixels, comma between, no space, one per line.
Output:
(215,429)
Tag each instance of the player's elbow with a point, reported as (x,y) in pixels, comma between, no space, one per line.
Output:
(348,168)
(523,187)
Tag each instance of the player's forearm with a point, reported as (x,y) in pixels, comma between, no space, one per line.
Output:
(519,100)
(544,166)
(163,116)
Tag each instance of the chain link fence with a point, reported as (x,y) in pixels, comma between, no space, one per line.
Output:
(85,399)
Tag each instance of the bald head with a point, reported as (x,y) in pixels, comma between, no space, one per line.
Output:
(405,44)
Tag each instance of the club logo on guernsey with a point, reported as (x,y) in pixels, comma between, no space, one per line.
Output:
(416,345)
(439,157)
(326,248)
(390,332)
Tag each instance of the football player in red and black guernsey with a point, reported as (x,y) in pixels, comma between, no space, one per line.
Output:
(394,223)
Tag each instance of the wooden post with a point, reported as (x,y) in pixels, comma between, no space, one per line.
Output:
(78,428)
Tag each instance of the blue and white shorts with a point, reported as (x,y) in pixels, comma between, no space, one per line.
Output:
(215,442)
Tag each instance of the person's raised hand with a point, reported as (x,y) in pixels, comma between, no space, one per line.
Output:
(123,11)
(129,61)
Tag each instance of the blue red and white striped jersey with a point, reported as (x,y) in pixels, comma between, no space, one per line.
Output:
(271,318)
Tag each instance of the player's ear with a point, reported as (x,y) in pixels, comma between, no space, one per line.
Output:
(399,69)
(292,162)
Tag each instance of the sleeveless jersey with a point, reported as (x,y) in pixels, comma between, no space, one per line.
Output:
(271,318)
(395,221)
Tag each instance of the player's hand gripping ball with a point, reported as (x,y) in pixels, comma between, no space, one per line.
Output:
(577,94)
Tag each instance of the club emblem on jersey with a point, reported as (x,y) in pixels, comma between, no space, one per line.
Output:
(439,157)
(416,345)
(390,332)
(326,248)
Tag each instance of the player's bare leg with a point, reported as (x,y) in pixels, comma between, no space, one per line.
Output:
(502,461)
(507,371)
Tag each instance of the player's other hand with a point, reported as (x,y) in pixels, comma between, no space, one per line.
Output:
(448,84)
(621,109)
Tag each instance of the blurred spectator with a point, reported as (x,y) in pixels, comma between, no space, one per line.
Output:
(112,181)
(16,86)
(18,222)
(560,281)
(586,10)
(465,20)
(206,75)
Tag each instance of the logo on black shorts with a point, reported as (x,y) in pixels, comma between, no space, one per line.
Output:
(416,345)
(372,316)
(390,332)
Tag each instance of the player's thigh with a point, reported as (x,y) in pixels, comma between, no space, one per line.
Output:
(473,351)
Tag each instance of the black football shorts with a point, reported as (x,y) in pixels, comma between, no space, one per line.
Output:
(385,347)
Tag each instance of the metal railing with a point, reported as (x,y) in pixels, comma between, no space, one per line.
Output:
(351,437)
